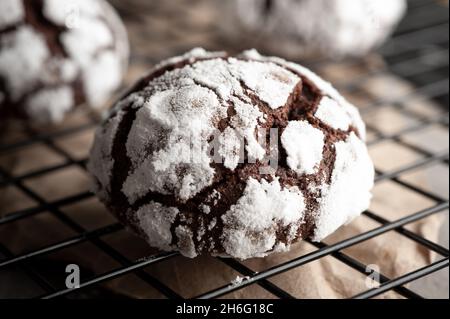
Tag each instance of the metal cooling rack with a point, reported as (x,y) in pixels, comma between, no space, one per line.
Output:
(418,39)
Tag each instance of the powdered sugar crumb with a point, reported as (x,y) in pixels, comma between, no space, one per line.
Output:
(239,280)
(212,224)
(205,209)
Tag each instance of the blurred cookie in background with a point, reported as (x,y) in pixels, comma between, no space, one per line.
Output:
(312,28)
(58,54)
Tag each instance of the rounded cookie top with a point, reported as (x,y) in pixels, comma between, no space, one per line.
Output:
(56,54)
(233,156)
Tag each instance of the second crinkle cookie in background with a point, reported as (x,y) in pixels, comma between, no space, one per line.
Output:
(310,28)
(58,54)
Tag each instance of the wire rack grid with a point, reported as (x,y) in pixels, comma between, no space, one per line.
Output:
(412,37)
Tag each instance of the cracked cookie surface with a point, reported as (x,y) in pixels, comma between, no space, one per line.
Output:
(182,159)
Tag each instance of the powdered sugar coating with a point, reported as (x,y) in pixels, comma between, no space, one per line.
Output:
(261,78)
(50,105)
(332,114)
(251,225)
(298,28)
(229,148)
(158,146)
(11,12)
(244,123)
(102,153)
(156,220)
(349,192)
(185,115)
(19,65)
(326,87)
(186,108)
(84,47)
(190,56)
(102,77)
(304,146)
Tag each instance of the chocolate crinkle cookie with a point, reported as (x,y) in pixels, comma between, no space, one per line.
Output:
(232,156)
(306,28)
(57,54)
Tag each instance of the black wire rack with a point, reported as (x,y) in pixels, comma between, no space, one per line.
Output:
(421,38)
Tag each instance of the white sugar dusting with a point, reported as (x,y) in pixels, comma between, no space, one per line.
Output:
(349,193)
(212,224)
(71,13)
(101,72)
(245,122)
(229,148)
(11,12)
(184,115)
(332,114)
(22,56)
(156,221)
(96,53)
(50,105)
(262,78)
(205,209)
(102,77)
(304,146)
(185,106)
(101,161)
(194,54)
(321,84)
(250,226)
